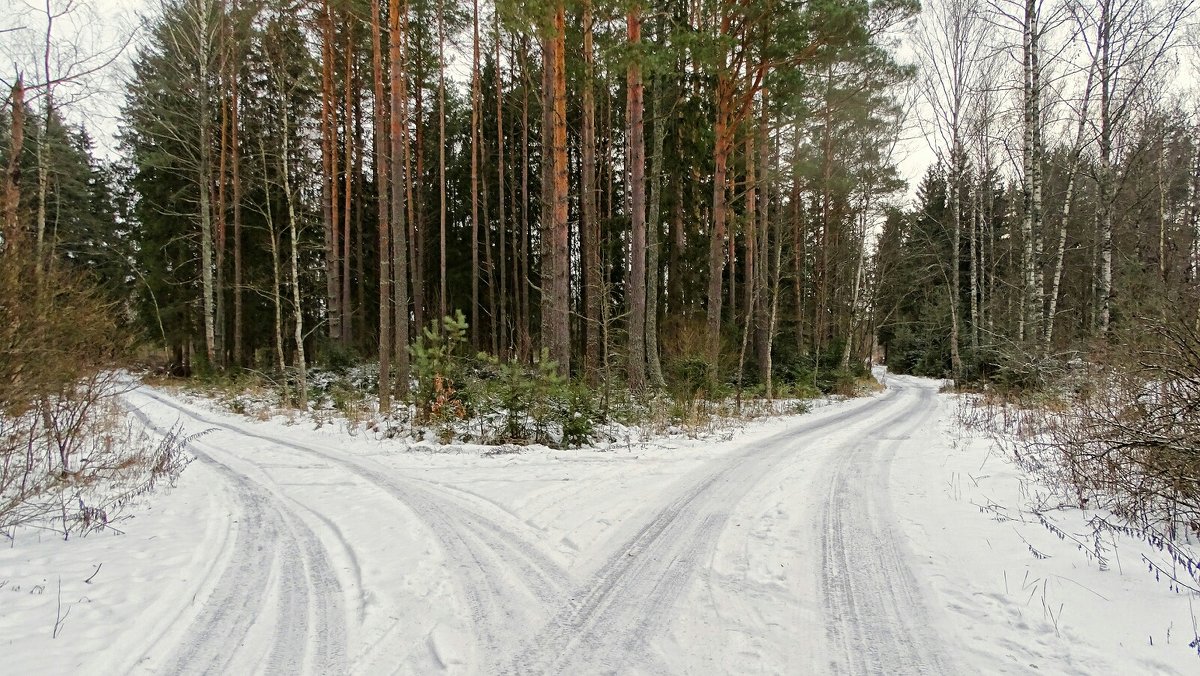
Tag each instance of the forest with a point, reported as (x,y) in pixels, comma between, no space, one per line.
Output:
(638,194)
(597,336)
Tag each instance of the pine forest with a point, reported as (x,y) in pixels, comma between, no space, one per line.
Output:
(642,195)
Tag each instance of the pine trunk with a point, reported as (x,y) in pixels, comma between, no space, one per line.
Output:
(396,203)
(525,339)
(590,225)
(239,358)
(443,288)
(329,176)
(347,136)
(716,248)
(476,107)
(382,186)
(636,358)
(654,235)
(555,263)
(762,341)
(416,195)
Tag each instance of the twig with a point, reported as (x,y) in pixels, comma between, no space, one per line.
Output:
(59,617)
(94,573)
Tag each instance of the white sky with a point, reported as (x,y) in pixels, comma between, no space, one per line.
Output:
(100,26)
(88,36)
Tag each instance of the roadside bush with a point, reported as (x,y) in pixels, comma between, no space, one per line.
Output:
(67,460)
(1131,442)
(1122,436)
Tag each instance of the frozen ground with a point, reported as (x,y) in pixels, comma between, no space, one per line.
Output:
(870,536)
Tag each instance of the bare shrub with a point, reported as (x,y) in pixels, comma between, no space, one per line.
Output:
(68,458)
(1121,437)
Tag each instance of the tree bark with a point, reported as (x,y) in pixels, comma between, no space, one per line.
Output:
(954,188)
(501,227)
(636,357)
(203,184)
(382,186)
(764,325)
(476,107)
(347,336)
(1031,184)
(716,248)
(556,300)
(397,202)
(239,358)
(297,307)
(329,176)
(443,288)
(590,225)
(276,266)
(654,235)
(1105,179)
(750,235)
(1068,203)
(220,209)
(525,340)
(416,188)
(414,154)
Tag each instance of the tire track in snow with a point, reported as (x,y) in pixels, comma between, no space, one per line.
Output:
(608,624)
(875,618)
(276,563)
(500,572)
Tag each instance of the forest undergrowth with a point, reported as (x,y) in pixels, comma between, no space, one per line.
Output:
(457,397)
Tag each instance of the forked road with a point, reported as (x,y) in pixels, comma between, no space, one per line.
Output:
(662,590)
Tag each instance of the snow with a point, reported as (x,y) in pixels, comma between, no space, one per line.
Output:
(868,536)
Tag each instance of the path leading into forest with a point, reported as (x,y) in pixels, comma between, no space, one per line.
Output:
(779,553)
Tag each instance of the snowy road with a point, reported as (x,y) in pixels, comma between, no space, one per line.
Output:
(612,600)
(870,536)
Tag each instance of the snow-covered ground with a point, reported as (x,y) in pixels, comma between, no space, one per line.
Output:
(869,536)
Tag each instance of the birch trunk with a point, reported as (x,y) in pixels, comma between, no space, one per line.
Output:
(501,228)
(203,181)
(297,308)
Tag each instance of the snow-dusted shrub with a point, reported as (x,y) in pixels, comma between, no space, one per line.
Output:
(530,403)
(1121,437)
(67,459)
(439,367)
